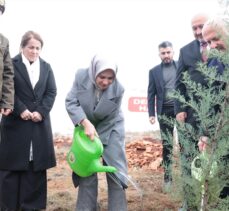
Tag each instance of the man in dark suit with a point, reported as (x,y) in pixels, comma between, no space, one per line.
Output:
(189,57)
(161,82)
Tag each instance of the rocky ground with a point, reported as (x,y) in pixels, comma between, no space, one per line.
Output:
(145,192)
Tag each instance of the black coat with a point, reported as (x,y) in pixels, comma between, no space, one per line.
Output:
(188,59)
(16,133)
(156,89)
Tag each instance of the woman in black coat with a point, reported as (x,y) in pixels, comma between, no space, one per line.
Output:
(26,147)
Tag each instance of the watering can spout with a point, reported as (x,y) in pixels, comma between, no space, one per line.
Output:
(98,167)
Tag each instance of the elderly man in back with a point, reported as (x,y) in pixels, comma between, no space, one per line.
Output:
(216,34)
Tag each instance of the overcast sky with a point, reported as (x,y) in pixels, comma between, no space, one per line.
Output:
(130,30)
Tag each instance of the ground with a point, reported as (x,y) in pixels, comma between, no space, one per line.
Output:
(145,192)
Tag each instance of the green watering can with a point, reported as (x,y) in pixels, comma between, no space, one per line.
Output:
(84,155)
(198,165)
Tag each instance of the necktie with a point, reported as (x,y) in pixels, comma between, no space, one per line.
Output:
(203,49)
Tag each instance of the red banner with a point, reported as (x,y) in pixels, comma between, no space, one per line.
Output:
(138,104)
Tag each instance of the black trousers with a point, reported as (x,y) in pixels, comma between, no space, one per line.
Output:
(167,128)
(23,189)
(225,191)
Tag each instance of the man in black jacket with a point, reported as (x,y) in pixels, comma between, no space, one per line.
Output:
(161,82)
(189,57)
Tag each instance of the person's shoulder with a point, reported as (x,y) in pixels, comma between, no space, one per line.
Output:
(119,87)
(2,36)
(175,62)
(45,63)
(155,68)
(17,58)
(215,62)
(82,71)
(189,45)
(82,76)
(3,40)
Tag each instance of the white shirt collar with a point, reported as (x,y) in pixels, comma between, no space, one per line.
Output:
(32,69)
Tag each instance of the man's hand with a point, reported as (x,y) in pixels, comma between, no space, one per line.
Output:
(203,142)
(180,117)
(152,119)
(6,111)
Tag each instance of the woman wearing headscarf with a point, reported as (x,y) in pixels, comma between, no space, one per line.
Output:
(94,102)
(26,146)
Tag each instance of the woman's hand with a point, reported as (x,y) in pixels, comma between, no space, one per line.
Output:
(89,129)
(36,117)
(26,115)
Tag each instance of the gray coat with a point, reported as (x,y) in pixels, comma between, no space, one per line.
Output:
(106,116)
